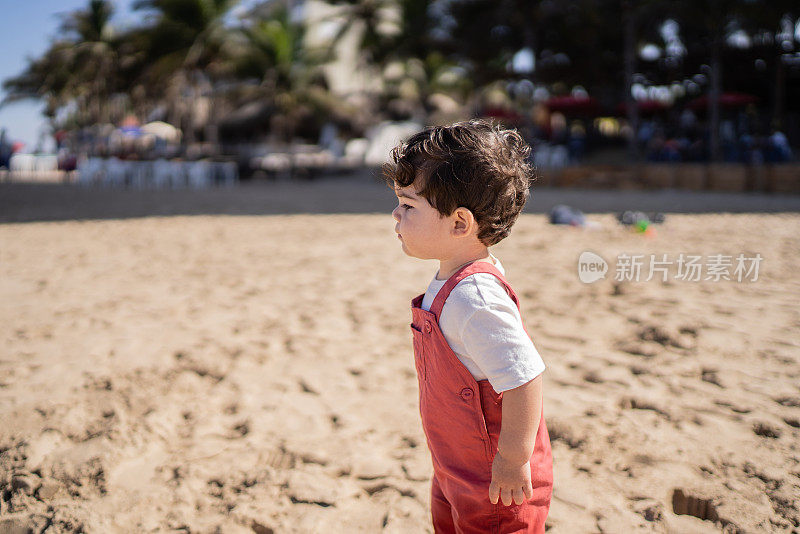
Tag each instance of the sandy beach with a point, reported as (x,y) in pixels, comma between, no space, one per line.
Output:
(254,373)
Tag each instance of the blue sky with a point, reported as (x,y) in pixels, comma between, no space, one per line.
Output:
(28,26)
(27,29)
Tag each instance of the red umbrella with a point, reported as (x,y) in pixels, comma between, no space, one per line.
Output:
(726,100)
(573,105)
(503,115)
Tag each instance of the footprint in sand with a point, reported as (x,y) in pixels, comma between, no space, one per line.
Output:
(203,369)
(239,430)
(306,387)
(631,403)
(638,348)
(683,338)
(732,407)
(313,486)
(767,430)
(561,432)
(791,402)
(593,378)
(709,375)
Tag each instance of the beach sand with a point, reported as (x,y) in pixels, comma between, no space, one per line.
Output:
(255,374)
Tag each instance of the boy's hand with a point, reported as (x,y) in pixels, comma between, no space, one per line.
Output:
(511,482)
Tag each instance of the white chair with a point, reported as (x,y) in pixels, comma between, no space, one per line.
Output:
(227,173)
(200,174)
(141,174)
(90,172)
(161,173)
(178,178)
(541,156)
(559,157)
(45,163)
(115,173)
(22,165)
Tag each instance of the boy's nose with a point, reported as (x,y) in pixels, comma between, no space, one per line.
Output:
(396,214)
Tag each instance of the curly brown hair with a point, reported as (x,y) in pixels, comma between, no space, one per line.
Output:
(472,164)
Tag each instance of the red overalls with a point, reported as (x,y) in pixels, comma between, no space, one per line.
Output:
(461,419)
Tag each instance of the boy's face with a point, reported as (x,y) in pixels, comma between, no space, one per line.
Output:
(422,230)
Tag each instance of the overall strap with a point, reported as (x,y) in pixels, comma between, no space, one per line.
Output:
(470,268)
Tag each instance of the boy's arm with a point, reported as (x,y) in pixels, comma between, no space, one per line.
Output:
(511,471)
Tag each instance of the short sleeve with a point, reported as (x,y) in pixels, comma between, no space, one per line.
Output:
(494,338)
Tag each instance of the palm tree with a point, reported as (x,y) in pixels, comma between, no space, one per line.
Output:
(270,51)
(48,77)
(401,33)
(766,18)
(95,54)
(82,68)
(633,16)
(706,24)
(365,17)
(183,51)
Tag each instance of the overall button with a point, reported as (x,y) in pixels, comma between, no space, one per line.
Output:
(466,394)
(428,327)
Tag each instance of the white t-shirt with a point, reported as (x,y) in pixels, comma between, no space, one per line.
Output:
(483,326)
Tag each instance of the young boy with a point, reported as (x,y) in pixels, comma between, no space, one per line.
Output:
(460,189)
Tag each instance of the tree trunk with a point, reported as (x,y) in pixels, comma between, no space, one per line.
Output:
(189,134)
(779,95)
(529,42)
(714,93)
(632,107)
(176,111)
(211,129)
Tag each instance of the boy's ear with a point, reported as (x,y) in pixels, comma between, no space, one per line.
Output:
(463,222)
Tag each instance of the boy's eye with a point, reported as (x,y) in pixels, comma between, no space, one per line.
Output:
(405,206)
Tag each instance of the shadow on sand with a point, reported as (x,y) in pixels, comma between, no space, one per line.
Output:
(21,202)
